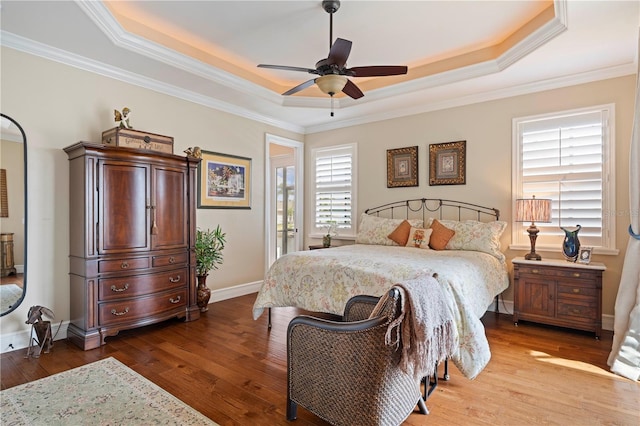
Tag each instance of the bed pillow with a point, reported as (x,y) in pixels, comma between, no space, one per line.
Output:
(440,235)
(419,237)
(401,234)
(477,236)
(375,230)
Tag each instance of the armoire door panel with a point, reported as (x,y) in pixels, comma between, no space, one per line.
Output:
(169,215)
(124,214)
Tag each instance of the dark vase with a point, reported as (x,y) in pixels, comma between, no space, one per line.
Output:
(204,293)
(326,241)
(571,244)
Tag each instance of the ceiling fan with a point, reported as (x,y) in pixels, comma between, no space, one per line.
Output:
(332,71)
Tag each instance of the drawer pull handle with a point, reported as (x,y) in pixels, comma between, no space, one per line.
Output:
(116,313)
(576,274)
(576,311)
(124,265)
(172,259)
(174,301)
(535,271)
(174,280)
(576,290)
(114,288)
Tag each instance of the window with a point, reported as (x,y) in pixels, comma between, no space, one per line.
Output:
(335,189)
(567,157)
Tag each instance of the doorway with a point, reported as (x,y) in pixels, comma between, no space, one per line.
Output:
(284,203)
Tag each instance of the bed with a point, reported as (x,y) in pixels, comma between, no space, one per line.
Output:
(470,267)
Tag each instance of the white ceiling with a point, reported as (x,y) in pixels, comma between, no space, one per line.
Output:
(207,51)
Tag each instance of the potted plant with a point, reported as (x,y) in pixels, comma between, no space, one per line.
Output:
(332,231)
(208,249)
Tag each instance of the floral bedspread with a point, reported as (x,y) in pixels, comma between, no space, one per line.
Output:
(323,281)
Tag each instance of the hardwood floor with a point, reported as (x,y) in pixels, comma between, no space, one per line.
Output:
(227,366)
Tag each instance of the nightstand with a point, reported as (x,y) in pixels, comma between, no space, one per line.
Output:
(318,247)
(557,292)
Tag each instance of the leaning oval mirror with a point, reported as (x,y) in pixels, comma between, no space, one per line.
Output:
(13,215)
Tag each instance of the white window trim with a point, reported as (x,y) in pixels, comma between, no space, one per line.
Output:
(520,242)
(316,232)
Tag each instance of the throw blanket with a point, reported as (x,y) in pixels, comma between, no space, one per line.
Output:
(425,327)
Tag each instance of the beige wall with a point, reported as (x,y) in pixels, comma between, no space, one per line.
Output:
(487,129)
(59,105)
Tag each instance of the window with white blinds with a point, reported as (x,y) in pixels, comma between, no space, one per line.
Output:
(335,185)
(567,157)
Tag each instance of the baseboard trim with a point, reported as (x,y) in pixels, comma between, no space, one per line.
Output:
(20,340)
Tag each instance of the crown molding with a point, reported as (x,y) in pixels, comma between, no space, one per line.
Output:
(101,16)
(518,90)
(22,44)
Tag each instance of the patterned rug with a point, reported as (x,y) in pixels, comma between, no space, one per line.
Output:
(105,392)
(9,294)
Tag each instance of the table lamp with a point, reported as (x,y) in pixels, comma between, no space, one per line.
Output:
(533,210)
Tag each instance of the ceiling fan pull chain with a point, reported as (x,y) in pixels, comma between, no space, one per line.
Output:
(331,105)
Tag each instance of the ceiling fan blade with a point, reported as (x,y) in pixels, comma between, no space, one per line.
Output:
(339,52)
(300,87)
(352,90)
(376,71)
(288,68)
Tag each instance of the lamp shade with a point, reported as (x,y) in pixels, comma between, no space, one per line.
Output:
(533,210)
(331,83)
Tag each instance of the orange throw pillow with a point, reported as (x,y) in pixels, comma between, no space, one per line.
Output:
(440,235)
(401,234)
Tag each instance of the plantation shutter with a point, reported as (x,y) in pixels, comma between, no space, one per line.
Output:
(333,188)
(562,158)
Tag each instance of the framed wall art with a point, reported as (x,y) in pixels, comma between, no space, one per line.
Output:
(224,181)
(402,167)
(447,163)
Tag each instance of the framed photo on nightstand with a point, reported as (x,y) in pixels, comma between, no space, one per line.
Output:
(584,256)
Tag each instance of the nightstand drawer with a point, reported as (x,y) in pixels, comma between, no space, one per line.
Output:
(557,272)
(576,311)
(577,290)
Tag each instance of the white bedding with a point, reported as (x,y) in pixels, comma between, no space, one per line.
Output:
(323,281)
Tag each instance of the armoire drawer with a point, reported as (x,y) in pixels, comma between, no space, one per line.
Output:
(111,313)
(123,265)
(169,260)
(137,285)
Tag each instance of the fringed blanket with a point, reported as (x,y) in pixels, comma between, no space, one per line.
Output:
(425,327)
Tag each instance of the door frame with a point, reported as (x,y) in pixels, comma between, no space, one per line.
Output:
(269,233)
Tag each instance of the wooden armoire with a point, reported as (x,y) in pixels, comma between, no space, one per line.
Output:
(132,234)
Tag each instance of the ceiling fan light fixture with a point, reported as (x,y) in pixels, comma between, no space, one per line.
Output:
(331,83)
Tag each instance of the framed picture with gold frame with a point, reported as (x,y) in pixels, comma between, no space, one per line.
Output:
(447,163)
(224,181)
(402,167)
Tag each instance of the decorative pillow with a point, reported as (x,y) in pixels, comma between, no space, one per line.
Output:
(375,230)
(440,235)
(477,236)
(401,234)
(419,237)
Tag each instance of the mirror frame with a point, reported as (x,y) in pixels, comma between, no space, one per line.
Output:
(26,228)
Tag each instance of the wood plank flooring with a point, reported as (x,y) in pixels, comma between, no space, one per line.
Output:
(230,368)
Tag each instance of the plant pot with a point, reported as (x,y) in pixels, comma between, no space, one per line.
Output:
(204,293)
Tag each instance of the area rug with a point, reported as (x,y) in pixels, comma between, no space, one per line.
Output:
(9,294)
(105,392)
